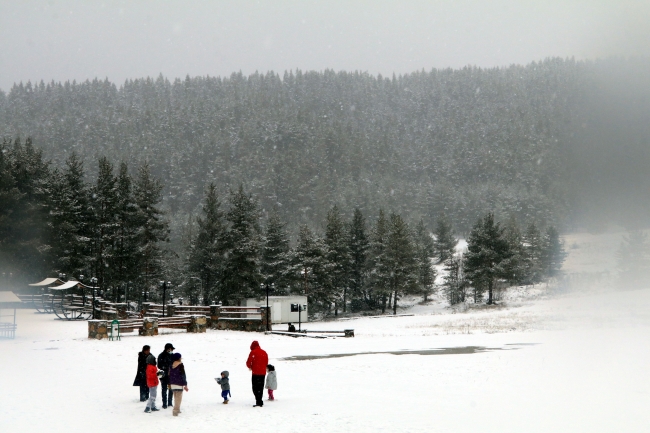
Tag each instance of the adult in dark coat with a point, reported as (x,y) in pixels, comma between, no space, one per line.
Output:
(141,375)
(164,363)
(256,363)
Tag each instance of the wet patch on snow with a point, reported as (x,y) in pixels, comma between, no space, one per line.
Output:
(462,350)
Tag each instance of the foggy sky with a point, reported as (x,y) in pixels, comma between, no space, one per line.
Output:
(66,40)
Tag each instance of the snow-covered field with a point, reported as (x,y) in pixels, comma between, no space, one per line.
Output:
(540,362)
(570,363)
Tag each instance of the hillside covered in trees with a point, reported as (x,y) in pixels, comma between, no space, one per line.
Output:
(557,142)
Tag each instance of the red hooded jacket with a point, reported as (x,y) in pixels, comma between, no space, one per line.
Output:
(152,375)
(257,360)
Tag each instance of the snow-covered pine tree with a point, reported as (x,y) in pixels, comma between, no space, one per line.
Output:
(151,228)
(425,251)
(553,254)
(241,273)
(206,250)
(126,236)
(378,280)
(358,247)
(454,284)
(487,256)
(445,241)
(104,224)
(633,259)
(25,245)
(70,229)
(311,269)
(516,268)
(401,261)
(338,257)
(533,249)
(276,257)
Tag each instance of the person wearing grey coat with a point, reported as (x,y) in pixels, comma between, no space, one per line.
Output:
(271,381)
(224,381)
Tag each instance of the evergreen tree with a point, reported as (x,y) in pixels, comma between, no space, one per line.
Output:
(445,242)
(533,253)
(126,234)
(104,223)
(152,228)
(454,284)
(206,252)
(518,266)
(425,251)
(26,244)
(275,254)
(400,259)
(69,219)
(338,256)
(553,253)
(241,274)
(311,269)
(487,257)
(378,281)
(358,248)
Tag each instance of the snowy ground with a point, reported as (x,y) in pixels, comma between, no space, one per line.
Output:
(539,362)
(570,364)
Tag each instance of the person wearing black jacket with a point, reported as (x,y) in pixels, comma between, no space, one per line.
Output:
(164,363)
(141,375)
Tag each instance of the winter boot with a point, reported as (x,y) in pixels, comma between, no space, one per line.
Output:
(154,409)
(147,410)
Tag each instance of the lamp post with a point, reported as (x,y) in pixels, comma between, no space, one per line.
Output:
(93,281)
(272,287)
(163,285)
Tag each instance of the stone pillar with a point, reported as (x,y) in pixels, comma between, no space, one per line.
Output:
(121,310)
(349,333)
(266,318)
(197,324)
(97,329)
(215,312)
(149,327)
(145,307)
(170,310)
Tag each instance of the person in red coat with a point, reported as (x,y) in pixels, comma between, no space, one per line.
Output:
(256,363)
(152,383)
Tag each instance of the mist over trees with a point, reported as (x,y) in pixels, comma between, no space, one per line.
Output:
(543,142)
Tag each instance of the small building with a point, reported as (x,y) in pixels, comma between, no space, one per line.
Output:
(8,302)
(284,309)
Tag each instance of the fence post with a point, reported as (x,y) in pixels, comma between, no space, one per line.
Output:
(197,324)
(149,327)
(97,329)
(215,312)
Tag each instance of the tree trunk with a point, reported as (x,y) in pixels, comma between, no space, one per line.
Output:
(345,292)
(383,304)
(390,300)
(395,304)
(336,309)
(490,285)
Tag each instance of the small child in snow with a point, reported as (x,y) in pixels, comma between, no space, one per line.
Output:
(225,386)
(271,381)
(152,383)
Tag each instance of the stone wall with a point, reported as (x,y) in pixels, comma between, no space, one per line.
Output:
(198,324)
(149,327)
(98,329)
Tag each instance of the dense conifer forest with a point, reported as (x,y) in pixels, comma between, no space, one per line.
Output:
(550,141)
(331,182)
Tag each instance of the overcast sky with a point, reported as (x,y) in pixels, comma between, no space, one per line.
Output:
(84,39)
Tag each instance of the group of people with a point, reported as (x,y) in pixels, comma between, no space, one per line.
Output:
(169,372)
